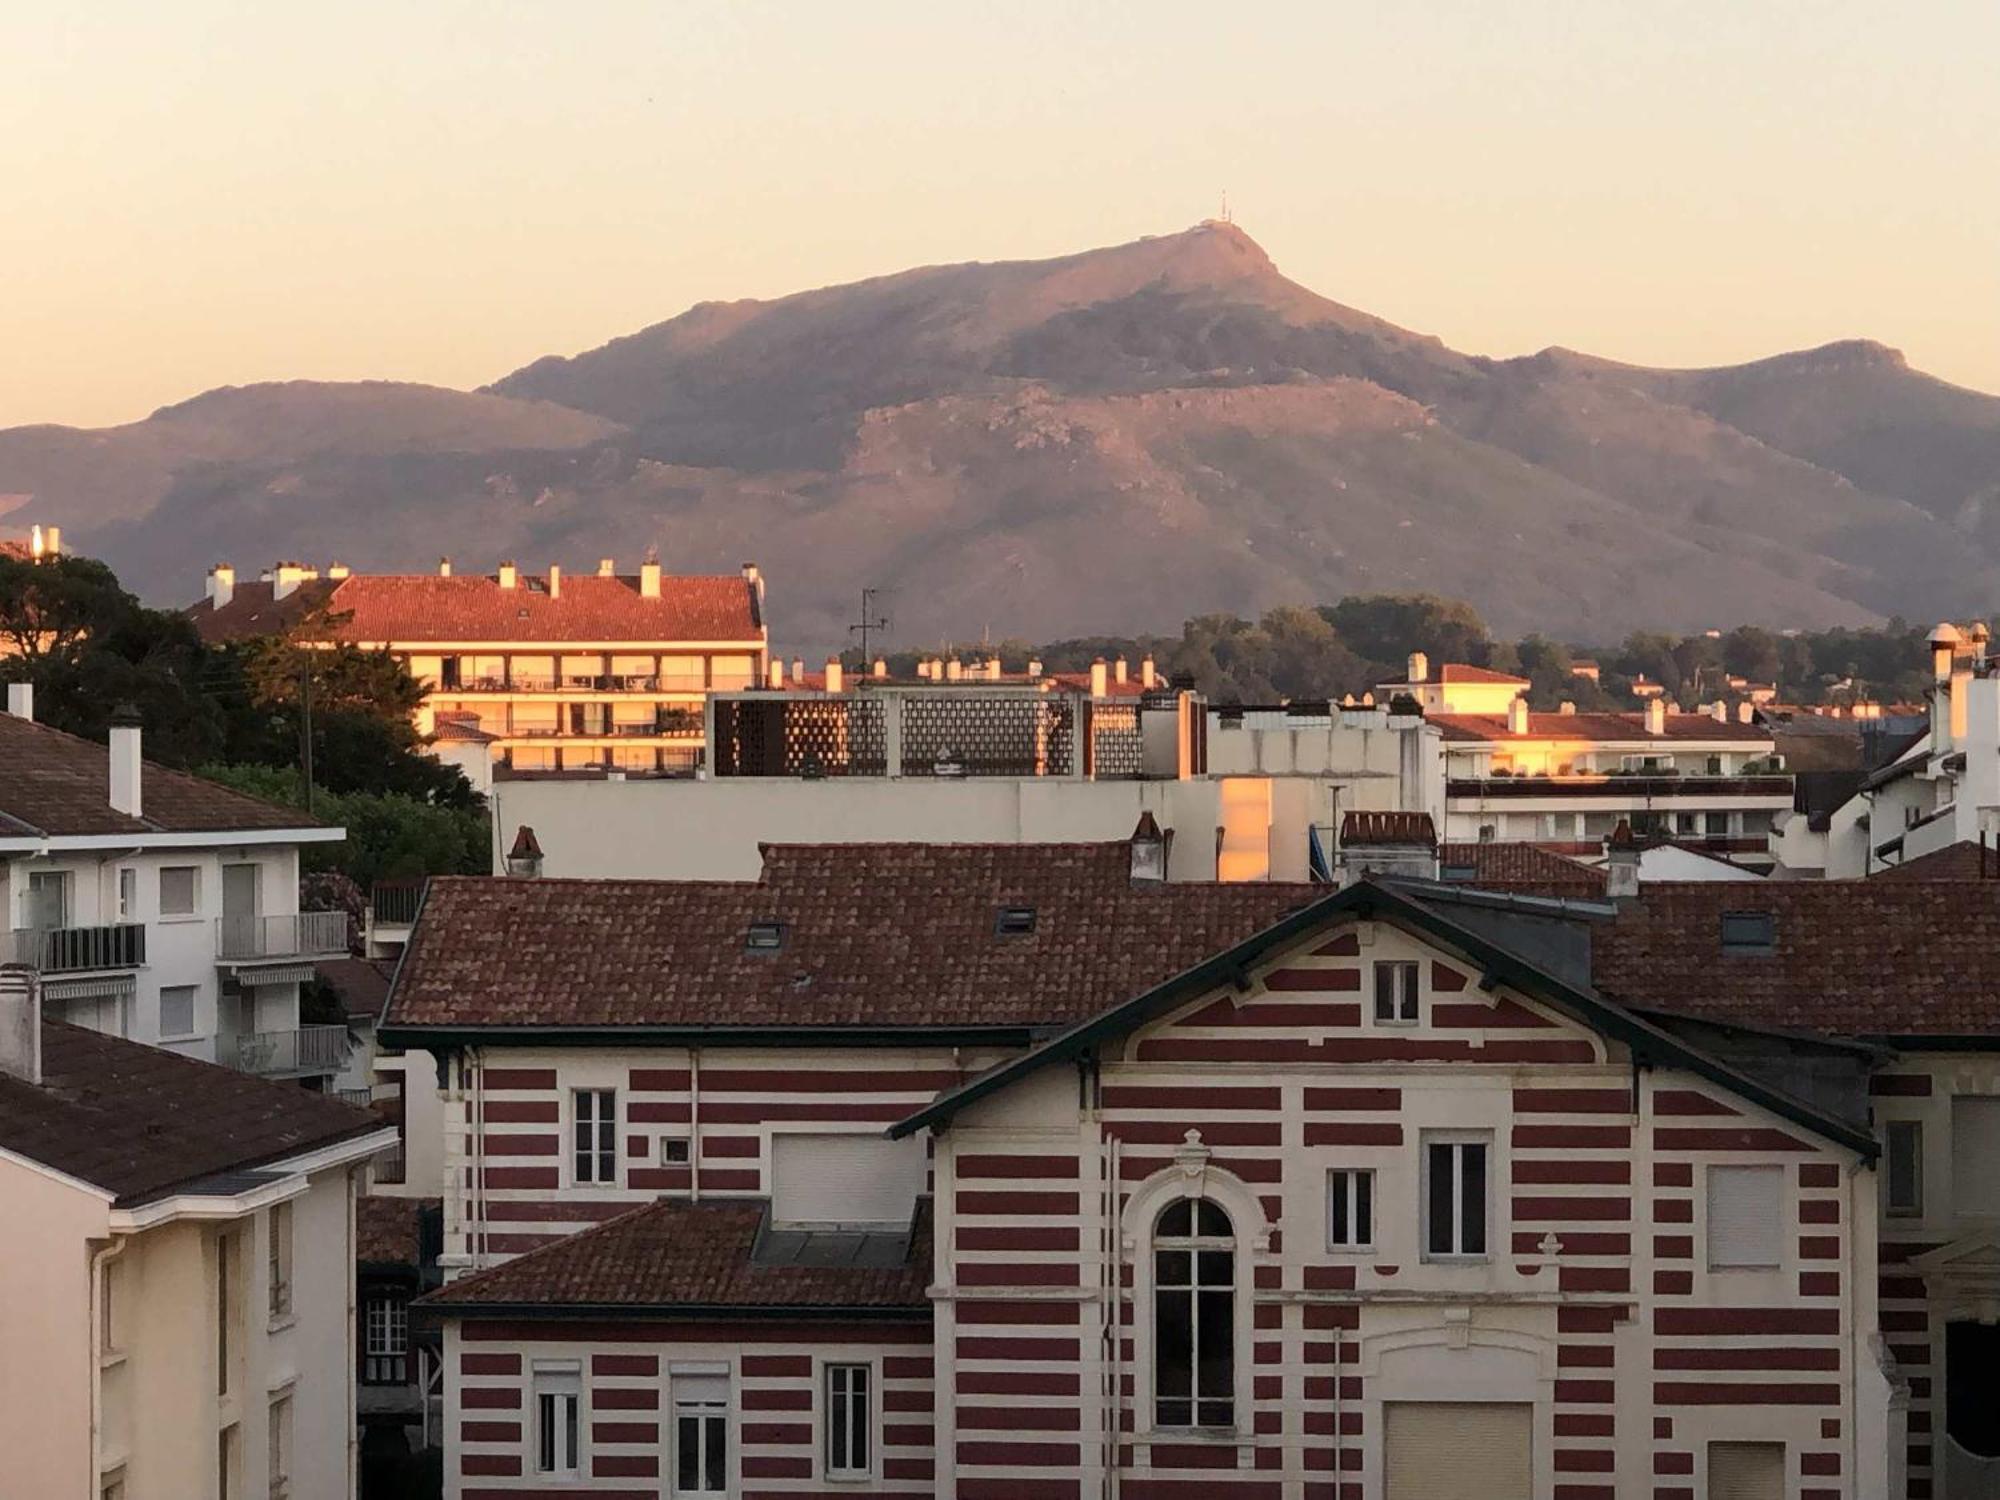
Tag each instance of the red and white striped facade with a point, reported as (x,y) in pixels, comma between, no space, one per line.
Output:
(1595,1307)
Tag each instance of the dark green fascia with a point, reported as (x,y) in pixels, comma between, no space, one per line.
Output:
(452,1038)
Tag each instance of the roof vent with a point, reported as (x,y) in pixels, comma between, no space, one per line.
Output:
(1014,921)
(1749,932)
(764,937)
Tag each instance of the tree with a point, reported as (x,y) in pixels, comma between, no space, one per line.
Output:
(389,835)
(1385,628)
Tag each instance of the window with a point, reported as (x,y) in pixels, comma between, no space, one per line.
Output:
(1014,921)
(1454,1196)
(558,1397)
(225,1311)
(229,1462)
(1975,1155)
(48,900)
(110,1309)
(1748,932)
(1395,993)
(180,890)
(128,895)
(596,1153)
(114,1487)
(385,1340)
(280,1266)
(675,1150)
(849,1431)
(1746,1213)
(1350,1209)
(701,1434)
(281,1447)
(764,937)
(1903,1168)
(1746,1471)
(177,1010)
(1194,1316)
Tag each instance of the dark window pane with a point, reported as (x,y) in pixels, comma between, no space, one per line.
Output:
(1440,1200)
(569,1406)
(716,1469)
(1336,1201)
(1210,1221)
(1385,993)
(1172,1267)
(1173,1344)
(1216,1335)
(1175,1412)
(863,1426)
(1473,1233)
(1408,973)
(1364,1208)
(687,1445)
(545,1416)
(1177,1219)
(1215,1267)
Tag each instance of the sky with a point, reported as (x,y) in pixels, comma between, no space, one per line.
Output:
(210,192)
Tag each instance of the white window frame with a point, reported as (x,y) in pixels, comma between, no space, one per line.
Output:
(1193,1246)
(1458,1140)
(1406,999)
(866,1430)
(703,1410)
(128,893)
(193,911)
(1343,1186)
(582,1118)
(1774,1174)
(1913,1209)
(385,1331)
(667,1156)
(278,1262)
(555,1419)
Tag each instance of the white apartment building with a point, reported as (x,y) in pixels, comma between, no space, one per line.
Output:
(158,906)
(177,1318)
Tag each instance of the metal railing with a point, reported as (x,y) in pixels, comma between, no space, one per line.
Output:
(301,935)
(77,950)
(1619,785)
(362,1097)
(304,1049)
(388,1166)
(394,903)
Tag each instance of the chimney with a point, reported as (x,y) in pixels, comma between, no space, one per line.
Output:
(607,568)
(954,670)
(798,671)
(1149,851)
(775,673)
(1149,676)
(880,669)
(1100,678)
(1034,666)
(509,575)
(1517,716)
(1746,713)
(525,858)
(21,700)
(444,567)
(338,570)
(1621,863)
(1719,711)
(1566,708)
(285,580)
(923,671)
(20,1023)
(125,763)
(649,580)
(221,585)
(993,669)
(1944,645)
(1118,670)
(555,581)
(52,541)
(1656,715)
(834,680)
(755,578)
(1420,667)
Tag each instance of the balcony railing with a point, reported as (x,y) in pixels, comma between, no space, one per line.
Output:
(77,950)
(388,1166)
(304,1049)
(362,1097)
(1623,786)
(394,902)
(306,934)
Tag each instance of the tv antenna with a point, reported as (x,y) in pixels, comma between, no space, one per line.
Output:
(869,624)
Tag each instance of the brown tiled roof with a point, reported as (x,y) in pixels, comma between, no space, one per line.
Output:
(1595,727)
(1963,860)
(379,608)
(1387,828)
(1849,957)
(1458,671)
(1522,867)
(678,1254)
(361,983)
(387,1231)
(140,1121)
(881,935)
(55,783)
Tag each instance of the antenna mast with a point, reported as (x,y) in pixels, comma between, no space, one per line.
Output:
(869,624)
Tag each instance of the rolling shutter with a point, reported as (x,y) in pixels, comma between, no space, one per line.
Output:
(845,1179)
(1746,1471)
(1458,1448)
(1746,1217)
(1975,1154)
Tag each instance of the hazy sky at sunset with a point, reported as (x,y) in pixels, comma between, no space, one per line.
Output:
(205,192)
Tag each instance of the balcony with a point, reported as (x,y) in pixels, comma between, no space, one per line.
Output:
(1623,787)
(394,903)
(304,1049)
(76,950)
(306,934)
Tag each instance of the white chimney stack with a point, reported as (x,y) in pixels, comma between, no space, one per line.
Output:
(649,580)
(555,581)
(1747,713)
(1034,666)
(1420,667)
(20,1023)
(509,575)
(444,567)
(798,671)
(338,570)
(221,585)
(52,541)
(1100,678)
(126,767)
(953,670)
(21,700)
(1656,715)
(775,673)
(833,676)
(606,568)
(1149,676)
(880,669)
(286,578)
(1517,716)
(1118,670)
(1566,707)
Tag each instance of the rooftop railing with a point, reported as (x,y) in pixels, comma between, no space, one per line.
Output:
(303,1049)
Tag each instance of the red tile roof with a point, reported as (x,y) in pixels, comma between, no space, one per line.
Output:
(1387,828)
(1601,727)
(1849,958)
(381,608)
(1521,867)
(361,983)
(1458,671)
(140,1121)
(874,935)
(672,1254)
(388,1231)
(56,783)
(1964,860)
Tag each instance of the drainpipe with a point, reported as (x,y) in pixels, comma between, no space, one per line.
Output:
(100,1263)
(694,1125)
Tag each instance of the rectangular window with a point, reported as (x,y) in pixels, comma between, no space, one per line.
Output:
(1903,1168)
(849,1429)
(111,1310)
(280,1261)
(180,890)
(558,1401)
(48,900)
(1350,1209)
(281,1448)
(1749,932)
(595,1154)
(1395,993)
(229,1462)
(1975,1155)
(176,1011)
(225,1311)
(675,1150)
(701,1434)
(1746,1218)
(128,895)
(385,1341)
(1746,1471)
(1455,1197)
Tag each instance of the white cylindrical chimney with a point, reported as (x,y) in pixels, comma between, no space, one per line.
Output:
(1100,678)
(880,669)
(953,670)
(509,575)
(444,567)
(775,673)
(993,669)
(834,683)
(1517,716)
(555,581)
(126,766)
(52,541)
(221,585)
(1746,713)
(1148,673)
(1420,666)
(21,699)
(923,670)
(1118,670)
(606,568)
(1034,666)
(649,580)
(1656,715)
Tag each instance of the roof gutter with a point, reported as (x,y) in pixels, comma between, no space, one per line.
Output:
(221,838)
(668,1312)
(444,1038)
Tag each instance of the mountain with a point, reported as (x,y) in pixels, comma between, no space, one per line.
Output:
(1109,441)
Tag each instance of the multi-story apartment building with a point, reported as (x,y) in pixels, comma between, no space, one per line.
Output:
(1564,780)
(997,1172)
(177,1313)
(557,672)
(159,906)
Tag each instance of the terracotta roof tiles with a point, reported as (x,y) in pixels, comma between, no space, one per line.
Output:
(1598,727)
(1525,868)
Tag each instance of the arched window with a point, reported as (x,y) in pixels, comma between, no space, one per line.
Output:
(1194,1316)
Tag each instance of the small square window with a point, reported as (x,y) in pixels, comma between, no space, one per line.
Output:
(1350,1209)
(1749,932)
(1746,1218)
(1396,991)
(180,890)
(1014,921)
(764,937)
(176,1011)
(676,1150)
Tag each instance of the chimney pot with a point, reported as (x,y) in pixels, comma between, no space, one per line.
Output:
(52,541)
(20,1023)
(799,670)
(1100,678)
(221,585)
(1420,667)
(555,581)
(1656,715)
(1747,713)
(444,567)
(1118,670)
(954,670)
(649,580)
(1566,707)
(509,575)
(775,673)
(1517,716)
(1148,674)
(606,568)
(1034,666)
(881,667)
(338,570)
(21,700)
(834,682)
(127,769)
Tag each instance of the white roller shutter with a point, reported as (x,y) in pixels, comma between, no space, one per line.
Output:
(845,1179)
(1975,1154)
(1433,1450)
(1746,1471)
(1746,1217)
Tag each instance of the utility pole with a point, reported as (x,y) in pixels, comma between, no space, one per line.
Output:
(869,624)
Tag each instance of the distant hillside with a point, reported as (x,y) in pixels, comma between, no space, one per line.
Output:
(1109,441)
